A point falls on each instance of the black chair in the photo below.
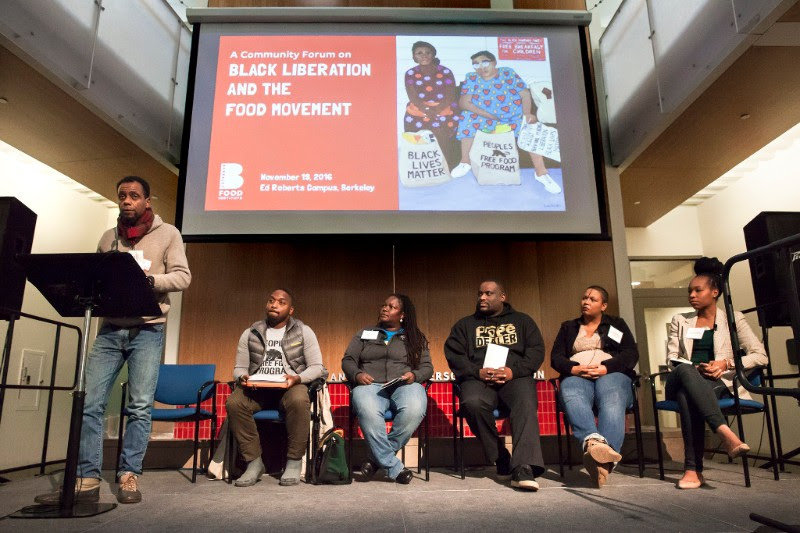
(388, 416)
(729, 408)
(458, 429)
(276, 416)
(637, 423)
(187, 386)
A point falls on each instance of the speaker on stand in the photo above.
(776, 277)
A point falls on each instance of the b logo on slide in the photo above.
(230, 181)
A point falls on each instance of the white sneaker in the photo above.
(549, 184)
(461, 170)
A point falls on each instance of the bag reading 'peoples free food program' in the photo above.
(494, 157)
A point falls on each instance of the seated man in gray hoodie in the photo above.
(279, 350)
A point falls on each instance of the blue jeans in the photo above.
(407, 402)
(610, 394)
(142, 348)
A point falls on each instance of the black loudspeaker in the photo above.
(16, 236)
(771, 279)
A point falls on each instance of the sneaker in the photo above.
(461, 170)
(549, 184)
(128, 489)
(503, 464)
(83, 494)
(522, 478)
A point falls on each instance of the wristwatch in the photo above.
(151, 281)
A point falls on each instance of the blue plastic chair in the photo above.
(728, 407)
(458, 429)
(187, 386)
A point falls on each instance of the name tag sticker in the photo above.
(695, 333)
(369, 334)
(614, 334)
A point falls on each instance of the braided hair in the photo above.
(416, 341)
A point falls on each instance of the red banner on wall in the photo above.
(527, 48)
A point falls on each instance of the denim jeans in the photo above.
(141, 348)
(610, 394)
(408, 403)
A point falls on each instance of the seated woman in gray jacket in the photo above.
(395, 349)
(700, 354)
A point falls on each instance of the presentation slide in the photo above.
(416, 132)
(309, 123)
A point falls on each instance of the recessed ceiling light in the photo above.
(636, 203)
(3, 100)
(744, 116)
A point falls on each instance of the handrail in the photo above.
(726, 294)
(6, 359)
(58, 325)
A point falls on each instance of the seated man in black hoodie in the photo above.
(483, 389)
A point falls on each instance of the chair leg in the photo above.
(745, 464)
(637, 426)
(455, 441)
(349, 439)
(461, 445)
(771, 436)
(229, 456)
(658, 445)
(196, 445)
(427, 454)
(558, 440)
(568, 434)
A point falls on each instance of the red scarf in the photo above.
(134, 232)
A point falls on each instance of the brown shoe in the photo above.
(87, 490)
(81, 496)
(602, 452)
(128, 489)
(598, 472)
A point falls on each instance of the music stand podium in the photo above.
(87, 284)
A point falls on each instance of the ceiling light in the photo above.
(744, 116)
(3, 100)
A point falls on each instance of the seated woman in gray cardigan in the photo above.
(386, 366)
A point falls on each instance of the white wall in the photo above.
(68, 221)
(675, 234)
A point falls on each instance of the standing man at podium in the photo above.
(138, 341)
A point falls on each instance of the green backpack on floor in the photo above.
(330, 463)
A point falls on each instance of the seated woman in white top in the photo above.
(701, 357)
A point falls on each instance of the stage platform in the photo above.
(446, 503)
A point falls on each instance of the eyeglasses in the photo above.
(482, 64)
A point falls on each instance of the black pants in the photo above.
(697, 403)
(479, 399)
